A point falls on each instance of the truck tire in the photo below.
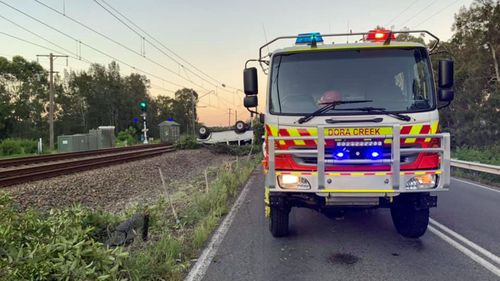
(278, 221)
(240, 127)
(203, 132)
(408, 220)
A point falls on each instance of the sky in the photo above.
(216, 37)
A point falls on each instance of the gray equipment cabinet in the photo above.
(169, 131)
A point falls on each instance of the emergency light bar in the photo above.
(380, 35)
(309, 38)
(373, 35)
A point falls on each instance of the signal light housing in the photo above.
(380, 35)
(143, 105)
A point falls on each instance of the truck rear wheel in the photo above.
(409, 221)
(278, 221)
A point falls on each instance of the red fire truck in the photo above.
(353, 125)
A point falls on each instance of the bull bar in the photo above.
(394, 161)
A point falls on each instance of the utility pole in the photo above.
(51, 57)
(229, 117)
(193, 110)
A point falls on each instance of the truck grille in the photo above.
(354, 153)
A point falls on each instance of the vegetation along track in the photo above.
(59, 164)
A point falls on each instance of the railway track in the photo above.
(15, 171)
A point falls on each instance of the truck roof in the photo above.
(344, 46)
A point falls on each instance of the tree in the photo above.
(473, 116)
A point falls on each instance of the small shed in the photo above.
(169, 131)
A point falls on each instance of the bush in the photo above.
(18, 146)
(486, 155)
(235, 150)
(128, 136)
(53, 246)
(187, 142)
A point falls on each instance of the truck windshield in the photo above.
(395, 79)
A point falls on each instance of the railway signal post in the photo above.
(143, 105)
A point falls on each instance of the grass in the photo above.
(68, 244)
(172, 246)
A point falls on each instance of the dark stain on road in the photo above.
(343, 259)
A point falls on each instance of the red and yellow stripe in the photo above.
(413, 129)
(357, 174)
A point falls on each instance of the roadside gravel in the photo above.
(116, 187)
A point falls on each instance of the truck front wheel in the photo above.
(409, 221)
(278, 221)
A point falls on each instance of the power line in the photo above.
(152, 37)
(29, 42)
(93, 48)
(158, 42)
(436, 13)
(79, 57)
(116, 42)
(420, 11)
(82, 59)
(402, 12)
(75, 55)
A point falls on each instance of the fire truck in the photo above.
(353, 125)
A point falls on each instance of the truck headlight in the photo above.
(423, 181)
(293, 182)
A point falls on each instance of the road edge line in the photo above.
(199, 269)
(466, 241)
(486, 264)
(476, 184)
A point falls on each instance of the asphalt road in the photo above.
(363, 245)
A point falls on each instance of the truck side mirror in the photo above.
(250, 81)
(250, 101)
(445, 74)
(446, 95)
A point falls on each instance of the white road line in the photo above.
(466, 241)
(475, 184)
(486, 264)
(199, 269)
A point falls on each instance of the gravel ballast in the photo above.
(116, 187)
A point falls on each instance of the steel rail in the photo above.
(26, 174)
(10, 162)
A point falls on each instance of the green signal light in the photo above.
(143, 105)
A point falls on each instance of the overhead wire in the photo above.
(93, 48)
(41, 37)
(117, 43)
(402, 12)
(160, 43)
(29, 42)
(79, 57)
(418, 13)
(144, 32)
(437, 12)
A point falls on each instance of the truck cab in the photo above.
(353, 125)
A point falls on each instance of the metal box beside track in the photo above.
(169, 131)
(73, 143)
(103, 137)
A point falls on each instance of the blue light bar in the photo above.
(308, 38)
